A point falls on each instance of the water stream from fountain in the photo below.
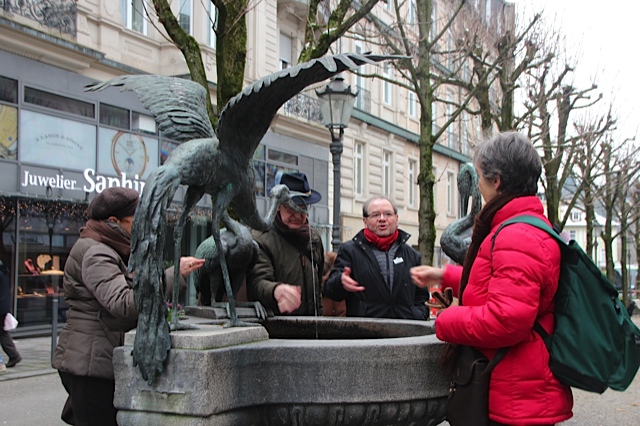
(315, 291)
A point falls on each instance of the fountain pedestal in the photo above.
(357, 372)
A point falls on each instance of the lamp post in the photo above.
(336, 103)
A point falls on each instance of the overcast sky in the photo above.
(606, 39)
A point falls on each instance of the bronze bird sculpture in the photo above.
(456, 238)
(240, 252)
(219, 166)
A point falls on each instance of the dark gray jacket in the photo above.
(379, 300)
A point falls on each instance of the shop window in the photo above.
(57, 102)
(259, 171)
(8, 90)
(114, 117)
(46, 232)
(271, 173)
(8, 132)
(121, 152)
(282, 157)
(143, 123)
(165, 150)
(56, 142)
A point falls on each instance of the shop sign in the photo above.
(93, 182)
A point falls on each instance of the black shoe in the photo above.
(13, 361)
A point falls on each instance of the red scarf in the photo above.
(383, 243)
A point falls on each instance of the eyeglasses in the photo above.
(376, 215)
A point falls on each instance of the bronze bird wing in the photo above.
(247, 116)
(178, 105)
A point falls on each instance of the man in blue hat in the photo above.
(287, 276)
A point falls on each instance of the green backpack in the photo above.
(595, 344)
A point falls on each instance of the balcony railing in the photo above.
(363, 100)
(54, 14)
(303, 106)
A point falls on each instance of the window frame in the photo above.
(412, 181)
(412, 101)
(190, 14)
(358, 168)
(211, 16)
(387, 172)
(387, 89)
(450, 192)
(127, 14)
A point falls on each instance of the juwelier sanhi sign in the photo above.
(93, 182)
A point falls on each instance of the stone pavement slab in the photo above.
(36, 359)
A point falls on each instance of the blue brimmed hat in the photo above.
(297, 181)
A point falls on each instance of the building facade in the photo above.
(61, 145)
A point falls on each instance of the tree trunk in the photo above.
(188, 46)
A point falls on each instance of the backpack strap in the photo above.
(533, 221)
(540, 224)
(496, 359)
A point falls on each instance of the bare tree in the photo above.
(620, 168)
(327, 24)
(634, 229)
(418, 40)
(552, 101)
(231, 47)
(623, 209)
(504, 58)
(584, 189)
(460, 54)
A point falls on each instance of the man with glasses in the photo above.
(371, 271)
(288, 274)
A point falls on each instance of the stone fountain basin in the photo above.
(356, 371)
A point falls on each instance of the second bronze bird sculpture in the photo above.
(456, 238)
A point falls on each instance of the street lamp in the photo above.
(336, 103)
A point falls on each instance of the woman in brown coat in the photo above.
(99, 291)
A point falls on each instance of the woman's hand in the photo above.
(188, 264)
(426, 276)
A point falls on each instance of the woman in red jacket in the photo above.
(505, 290)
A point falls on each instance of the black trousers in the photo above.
(7, 344)
(90, 401)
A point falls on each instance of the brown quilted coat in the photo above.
(99, 291)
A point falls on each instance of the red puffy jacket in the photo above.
(509, 289)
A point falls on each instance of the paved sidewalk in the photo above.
(36, 358)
